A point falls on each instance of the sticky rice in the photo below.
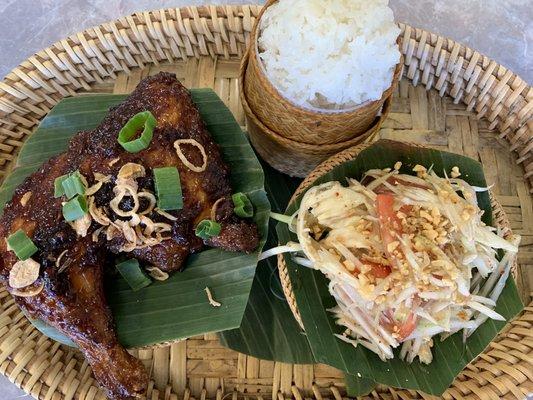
(329, 54)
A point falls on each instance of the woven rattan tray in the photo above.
(472, 105)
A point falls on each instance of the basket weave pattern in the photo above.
(203, 47)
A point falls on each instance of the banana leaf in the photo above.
(178, 307)
(268, 329)
(313, 298)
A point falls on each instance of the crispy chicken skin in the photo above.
(73, 299)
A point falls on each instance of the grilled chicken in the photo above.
(73, 257)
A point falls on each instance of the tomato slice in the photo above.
(389, 223)
(379, 270)
(406, 208)
(402, 329)
(376, 269)
(407, 327)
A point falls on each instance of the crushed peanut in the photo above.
(392, 246)
(349, 265)
(420, 170)
(426, 215)
(455, 172)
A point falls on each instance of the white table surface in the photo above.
(501, 29)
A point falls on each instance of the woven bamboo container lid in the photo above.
(450, 97)
(300, 124)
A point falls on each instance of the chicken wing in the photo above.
(122, 218)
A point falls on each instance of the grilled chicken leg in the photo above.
(72, 257)
(74, 302)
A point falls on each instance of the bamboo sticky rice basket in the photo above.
(451, 97)
(290, 156)
(299, 124)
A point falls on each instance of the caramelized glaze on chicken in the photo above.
(72, 297)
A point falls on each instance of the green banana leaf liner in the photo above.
(178, 307)
(313, 298)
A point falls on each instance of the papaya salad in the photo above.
(407, 257)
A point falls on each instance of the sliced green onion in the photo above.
(207, 229)
(22, 245)
(143, 120)
(75, 208)
(133, 274)
(73, 185)
(58, 186)
(243, 206)
(168, 188)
